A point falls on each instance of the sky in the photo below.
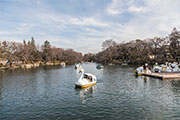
(84, 24)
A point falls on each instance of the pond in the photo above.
(48, 93)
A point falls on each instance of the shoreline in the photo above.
(30, 65)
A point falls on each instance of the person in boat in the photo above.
(89, 78)
(156, 64)
(146, 68)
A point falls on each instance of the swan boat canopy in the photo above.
(86, 80)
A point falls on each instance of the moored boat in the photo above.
(168, 68)
(139, 71)
(157, 68)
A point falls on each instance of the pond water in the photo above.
(48, 93)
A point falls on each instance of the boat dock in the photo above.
(164, 76)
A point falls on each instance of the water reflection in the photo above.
(143, 80)
(85, 93)
(0, 89)
(1, 83)
(176, 87)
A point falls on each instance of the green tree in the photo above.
(46, 48)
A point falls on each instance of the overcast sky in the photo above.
(84, 24)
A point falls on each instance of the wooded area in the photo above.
(29, 52)
(138, 51)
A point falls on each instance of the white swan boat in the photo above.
(140, 71)
(78, 66)
(86, 80)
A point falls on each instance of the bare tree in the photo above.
(108, 43)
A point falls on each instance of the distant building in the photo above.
(3, 61)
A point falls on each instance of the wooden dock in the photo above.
(164, 76)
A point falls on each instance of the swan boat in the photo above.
(78, 66)
(86, 80)
(139, 71)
